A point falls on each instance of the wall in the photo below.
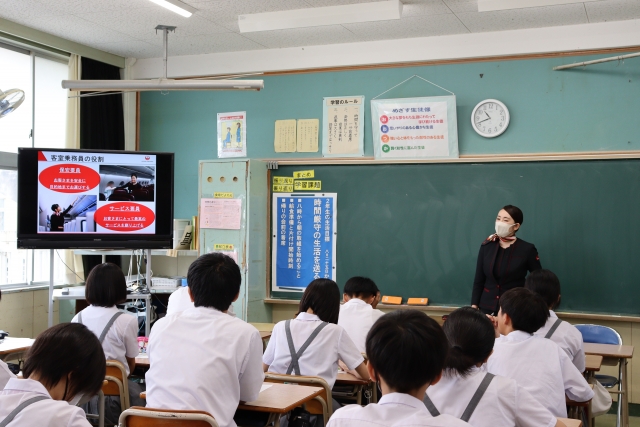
(592, 109)
(24, 314)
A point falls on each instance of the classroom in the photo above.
(279, 212)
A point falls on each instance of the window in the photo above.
(44, 111)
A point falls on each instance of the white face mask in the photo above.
(503, 229)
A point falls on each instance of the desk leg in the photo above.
(625, 400)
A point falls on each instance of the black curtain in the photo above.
(101, 128)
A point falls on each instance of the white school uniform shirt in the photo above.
(357, 317)
(203, 359)
(568, 337)
(320, 358)
(180, 301)
(542, 368)
(122, 338)
(44, 413)
(504, 404)
(5, 374)
(393, 409)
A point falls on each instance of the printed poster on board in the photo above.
(415, 128)
(343, 126)
(232, 134)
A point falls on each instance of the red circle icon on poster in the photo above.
(124, 216)
(384, 119)
(69, 178)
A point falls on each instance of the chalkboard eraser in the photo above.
(391, 300)
(418, 301)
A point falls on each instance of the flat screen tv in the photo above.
(94, 199)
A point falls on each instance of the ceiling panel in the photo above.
(420, 26)
(88, 6)
(613, 10)
(534, 17)
(211, 43)
(424, 7)
(75, 29)
(329, 34)
(462, 5)
(132, 49)
(22, 10)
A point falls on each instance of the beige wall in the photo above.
(629, 331)
(24, 314)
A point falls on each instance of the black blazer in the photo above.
(57, 221)
(523, 257)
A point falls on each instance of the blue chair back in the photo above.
(598, 334)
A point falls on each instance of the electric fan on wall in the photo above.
(10, 100)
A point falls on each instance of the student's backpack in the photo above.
(301, 418)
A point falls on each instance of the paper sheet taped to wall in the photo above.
(224, 214)
(285, 136)
(308, 135)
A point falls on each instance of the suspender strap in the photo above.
(295, 356)
(430, 406)
(80, 318)
(108, 326)
(553, 328)
(19, 409)
(484, 385)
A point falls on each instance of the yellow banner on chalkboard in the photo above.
(223, 195)
(304, 174)
(283, 180)
(307, 185)
(277, 188)
(222, 247)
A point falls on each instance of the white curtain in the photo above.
(73, 141)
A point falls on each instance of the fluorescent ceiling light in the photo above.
(490, 5)
(177, 6)
(317, 16)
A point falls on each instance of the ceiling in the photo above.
(126, 27)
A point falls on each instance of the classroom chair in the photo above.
(320, 405)
(116, 384)
(598, 334)
(137, 416)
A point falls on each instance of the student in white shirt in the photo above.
(502, 403)
(65, 362)
(546, 284)
(180, 300)
(316, 320)
(357, 315)
(407, 351)
(5, 373)
(537, 364)
(201, 358)
(117, 330)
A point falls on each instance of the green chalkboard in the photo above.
(416, 228)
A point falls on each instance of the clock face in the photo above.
(490, 118)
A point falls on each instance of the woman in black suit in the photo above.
(503, 261)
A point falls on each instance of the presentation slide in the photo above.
(101, 193)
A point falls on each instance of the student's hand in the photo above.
(494, 322)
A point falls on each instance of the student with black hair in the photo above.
(357, 314)
(117, 330)
(5, 373)
(500, 401)
(546, 284)
(407, 351)
(316, 324)
(65, 363)
(202, 358)
(539, 365)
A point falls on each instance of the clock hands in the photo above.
(485, 120)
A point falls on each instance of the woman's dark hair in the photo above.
(360, 287)
(54, 206)
(67, 350)
(515, 213)
(546, 284)
(323, 297)
(134, 174)
(528, 311)
(407, 349)
(471, 337)
(214, 280)
(106, 285)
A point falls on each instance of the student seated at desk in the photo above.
(567, 336)
(537, 364)
(357, 315)
(407, 351)
(5, 373)
(202, 358)
(180, 300)
(117, 330)
(65, 362)
(502, 402)
(314, 331)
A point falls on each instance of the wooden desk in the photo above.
(570, 423)
(354, 389)
(14, 348)
(265, 335)
(345, 378)
(622, 354)
(142, 361)
(593, 363)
